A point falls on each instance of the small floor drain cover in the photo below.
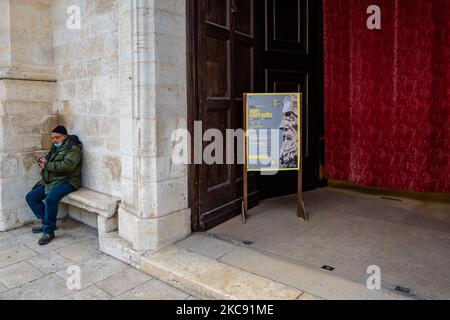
(403, 289)
(392, 199)
(328, 268)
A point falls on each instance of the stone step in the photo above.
(318, 283)
(198, 275)
(241, 274)
(207, 277)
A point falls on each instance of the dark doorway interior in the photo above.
(238, 46)
(290, 59)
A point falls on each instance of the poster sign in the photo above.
(273, 127)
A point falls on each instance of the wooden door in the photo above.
(224, 60)
(290, 59)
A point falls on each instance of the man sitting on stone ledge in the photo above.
(61, 175)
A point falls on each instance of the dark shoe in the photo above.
(37, 229)
(46, 238)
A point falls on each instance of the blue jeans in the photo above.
(45, 206)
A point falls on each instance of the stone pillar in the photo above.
(154, 209)
(27, 92)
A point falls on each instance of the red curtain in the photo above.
(387, 113)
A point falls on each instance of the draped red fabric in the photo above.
(387, 113)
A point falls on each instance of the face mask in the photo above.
(58, 144)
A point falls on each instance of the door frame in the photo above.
(192, 27)
(192, 109)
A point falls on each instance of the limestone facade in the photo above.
(119, 83)
(27, 93)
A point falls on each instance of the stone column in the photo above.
(27, 92)
(154, 210)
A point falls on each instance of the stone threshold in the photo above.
(244, 274)
(198, 275)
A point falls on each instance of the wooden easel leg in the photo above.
(301, 212)
(245, 202)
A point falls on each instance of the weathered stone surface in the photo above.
(15, 254)
(2, 288)
(50, 287)
(123, 281)
(80, 251)
(87, 64)
(306, 296)
(83, 216)
(50, 262)
(26, 116)
(154, 233)
(97, 269)
(91, 293)
(82, 231)
(106, 225)
(212, 278)
(19, 274)
(152, 104)
(206, 245)
(154, 290)
(28, 56)
(312, 281)
(60, 240)
(92, 201)
(121, 88)
(115, 246)
(100, 272)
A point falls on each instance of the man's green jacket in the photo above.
(63, 165)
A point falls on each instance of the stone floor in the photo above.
(409, 240)
(29, 271)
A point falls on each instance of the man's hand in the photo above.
(42, 162)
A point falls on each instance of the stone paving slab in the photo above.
(210, 278)
(123, 281)
(15, 254)
(308, 297)
(19, 274)
(9, 242)
(3, 288)
(90, 293)
(51, 287)
(4, 235)
(154, 290)
(33, 272)
(80, 251)
(19, 231)
(60, 240)
(206, 245)
(50, 262)
(317, 283)
(82, 232)
(96, 269)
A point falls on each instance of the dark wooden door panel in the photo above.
(286, 25)
(290, 60)
(242, 11)
(226, 63)
(218, 12)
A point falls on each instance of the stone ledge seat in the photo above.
(103, 205)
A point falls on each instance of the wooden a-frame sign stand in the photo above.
(301, 212)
